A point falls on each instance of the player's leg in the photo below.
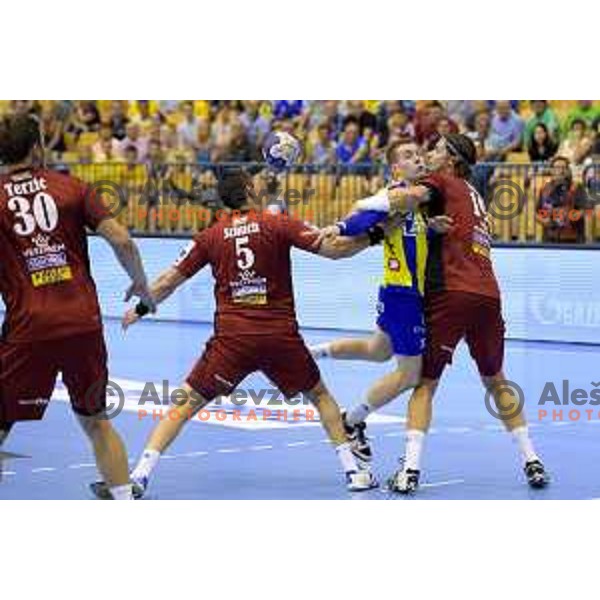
(110, 454)
(5, 428)
(485, 339)
(445, 326)
(165, 433)
(376, 348)
(223, 365)
(83, 361)
(401, 322)
(358, 477)
(291, 367)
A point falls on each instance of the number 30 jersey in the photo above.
(250, 259)
(45, 278)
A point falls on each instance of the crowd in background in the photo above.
(353, 132)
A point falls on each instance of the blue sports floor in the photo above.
(467, 455)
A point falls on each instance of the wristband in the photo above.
(141, 309)
(376, 235)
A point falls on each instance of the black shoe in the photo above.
(404, 481)
(357, 434)
(536, 474)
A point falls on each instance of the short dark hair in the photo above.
(389, 153)
(18, 136)
(232, 187)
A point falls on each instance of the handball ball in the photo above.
(281, 150)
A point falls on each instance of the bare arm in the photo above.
(128, 255)
(343, 247)
(162, 287)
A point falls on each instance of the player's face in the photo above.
(408, 163)
(438, 157)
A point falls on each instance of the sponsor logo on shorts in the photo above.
(34, 402)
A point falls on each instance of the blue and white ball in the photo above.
(281, 150)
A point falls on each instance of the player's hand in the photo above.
(441, 223)
(129, 318)
(140, 290)
(331, 232)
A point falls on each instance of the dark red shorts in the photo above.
(452, 316)
(227, 360)
(28, 375)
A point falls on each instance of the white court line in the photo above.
(229, 450)
(295, 444)
(458, 429)
(562, 423)
(82, 466)
(8, 473)
(442, 483)
(394, 434)
(43, 469)
(199, 453)
(264, 447)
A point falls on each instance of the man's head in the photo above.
(503, 109)
(351, 132)
(405, 161)
(455, 152)
(561, 168)
(235, 188)
(19, 139)
(538, 107)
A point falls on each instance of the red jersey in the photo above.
(460, 260)
(251, 264)
(45, 278)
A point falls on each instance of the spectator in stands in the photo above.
(203, 145)
(238, 149)
(107, 148)
(541, 147)
(558, 202)
(398, 128)
(135, 138)
(426, 123)
(143, 117)
(481, 135)
(332, 117)
(506, 131)
(287, 109)
(585, 111)
(118, 120)
(596, 146)
(320, 147)
(85, 117)
(352, 148)
(187, 130)
(257, 125)
(578, 143)
(355, 110)
(53, 132)
(542, 113)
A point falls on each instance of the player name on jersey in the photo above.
(240, 230)
(31, 186)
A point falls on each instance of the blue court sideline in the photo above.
(467, 455)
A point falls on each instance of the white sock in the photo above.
(414, 446)
(379, 202)
(320, 350)
(122, 492)
(521, 435)
(346, 457)
(146, 464)
(358, 414)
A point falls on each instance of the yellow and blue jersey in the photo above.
(405, 255)
(400, 306)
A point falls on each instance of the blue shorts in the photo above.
(401, 318)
